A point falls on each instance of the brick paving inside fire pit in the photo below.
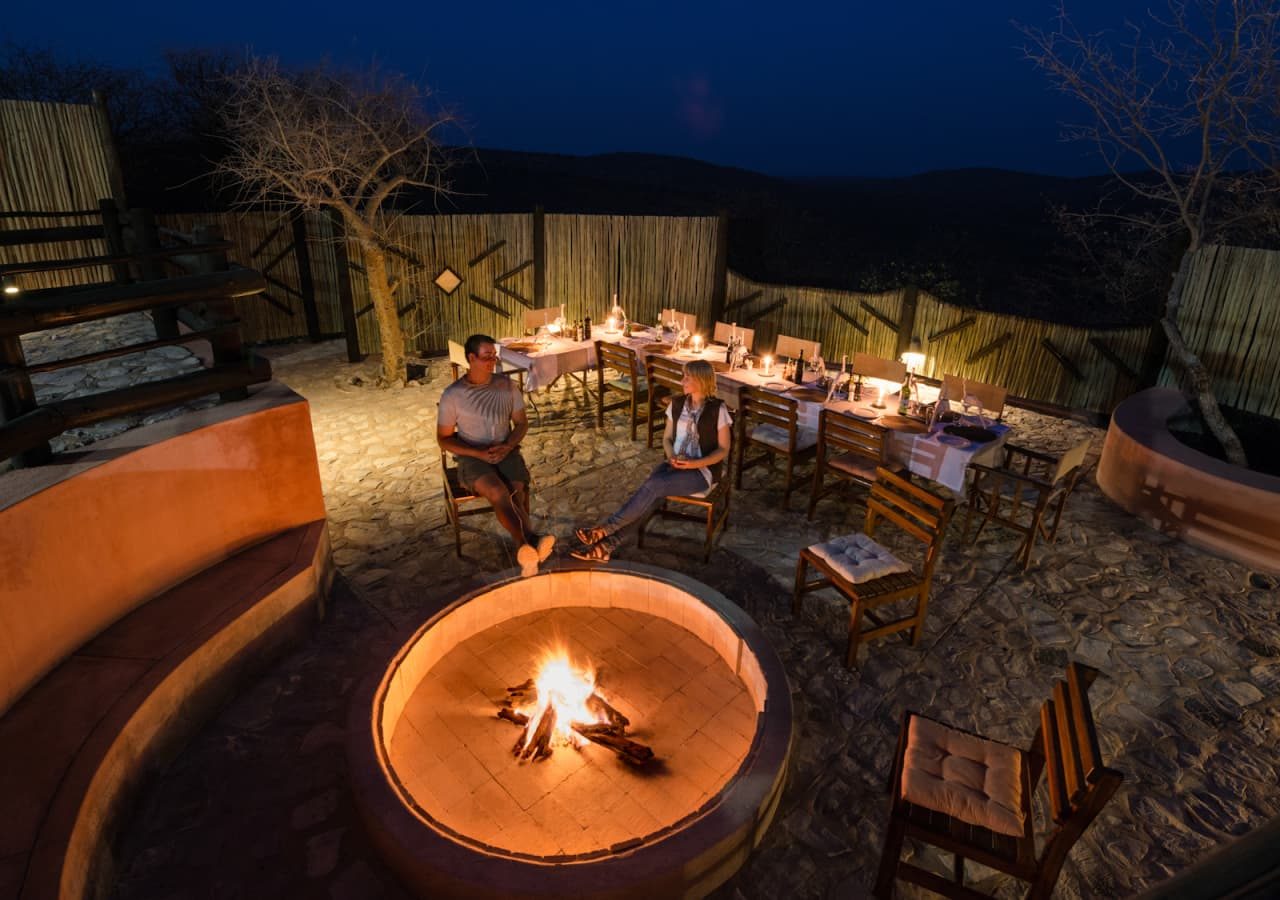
(454, 756)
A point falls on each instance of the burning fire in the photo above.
(563, 690)
(562, 706)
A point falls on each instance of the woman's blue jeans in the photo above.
(662, 482)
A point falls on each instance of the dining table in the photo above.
(928, 451)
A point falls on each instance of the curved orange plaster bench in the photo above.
(139, 583)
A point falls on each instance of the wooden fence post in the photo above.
(539, 257)
(113, 235)
(306, 284)
(228, 347)
(720, 282)
(18, 397)
(907, 319)
(144, 238)
(115, 172)
(346, 301)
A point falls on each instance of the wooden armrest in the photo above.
(996, 472)
(1011, 449)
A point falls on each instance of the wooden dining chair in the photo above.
(628, 380)
(459, 502)
(666, 379)
(709, 508)
(990, 397)
(536, 318)
(458, 363)
(972, 797)
(870, 366)
(852, 564)
(687, 321)
(848, 448)
(1026, 493)
(795, 348)
(771, 423)
(724, 330)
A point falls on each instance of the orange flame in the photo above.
(566, 688)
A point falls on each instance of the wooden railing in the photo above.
(201, 298)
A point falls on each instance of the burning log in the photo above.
(539, 744)
(632, 752)
(609, 734)
(600, 707)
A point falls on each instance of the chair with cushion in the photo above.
(848, 448)
(724, 330)
(990, 397)
(666, 378)
(459, 364)
(770, 423)
(627, 380)
(1023, 492)
(795, 348)
(867, 574)
(460, 502)
(972, 797)
(709, 507)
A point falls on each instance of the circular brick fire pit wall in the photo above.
(455, 813)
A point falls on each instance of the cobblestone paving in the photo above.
(1188, 647)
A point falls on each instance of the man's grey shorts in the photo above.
(511, 470)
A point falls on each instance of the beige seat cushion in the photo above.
(858, 558)
(778, 437)
(964, 776)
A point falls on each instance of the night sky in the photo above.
(782, 88)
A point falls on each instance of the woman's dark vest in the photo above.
(708, 433)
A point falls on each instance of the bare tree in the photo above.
(1182, 112)
(320, 139)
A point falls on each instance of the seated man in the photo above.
(481, 421)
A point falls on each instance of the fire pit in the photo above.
(674, 728)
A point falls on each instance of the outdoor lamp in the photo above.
(914, 357)
(11, 286)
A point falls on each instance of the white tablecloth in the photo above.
(544, 366)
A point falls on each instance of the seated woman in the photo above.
(696, 442)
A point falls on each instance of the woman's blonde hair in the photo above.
(704, 375)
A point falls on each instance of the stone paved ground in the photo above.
(1188, 645)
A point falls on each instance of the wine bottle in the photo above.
(586, 328)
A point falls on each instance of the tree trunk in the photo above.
(384, 310)
(1199, 381)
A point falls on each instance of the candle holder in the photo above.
(767, 369)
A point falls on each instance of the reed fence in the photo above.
(54, 159)
(297, 263)
(1231, 318)
(650, 262)
(843, 321)
(1231, 315)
